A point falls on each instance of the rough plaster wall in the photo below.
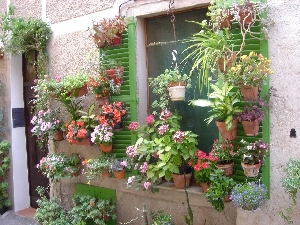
(58, 10)
(26, 9)
(284, 48)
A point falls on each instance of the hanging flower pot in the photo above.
(226, 168)
(226, 19)
(58, 135)
(106, 148)
(116, 75)
(177, 91)
(227, 134)
(119, 126)
(251, 170)
(251, 128)
(117, 40)
(245, 18)
(179, 180)
(249, 93)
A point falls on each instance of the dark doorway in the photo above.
(34, 152)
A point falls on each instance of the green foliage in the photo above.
(22, 36)
(49, 212)
(72, 105)
(4, 169)
(74, 81)
(161, 218)
(223, 105)
(89, 118)
(95, 167)
(4, 201)
(291, 183)
(220, 187)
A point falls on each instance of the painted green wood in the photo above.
(97, 192)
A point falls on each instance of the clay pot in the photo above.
(204, 186)
(116, 75)
(251, 128)
(226, 62)
(106, 174)
(120, 175)
(249, 93)
(245, 18)
(179, 180)
(58, 135)
(117, 40)
(227, 20)
(227, 134)
(226, 168)
(251, 170)
(78, 92)
(83, 141)
(106, 148)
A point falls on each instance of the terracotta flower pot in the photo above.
(204, 186)
(106, 174)
(120, 175)
(179, 180)
(251, 170)
(227, 198)
(58, 135)
(83, 141)
(116, 75)
(245, 18)
(117, 40)
(251, 128)
(78, 92)
(227, 168)
(227, 134)
(106, 148)
(227, 19)
(249, 93)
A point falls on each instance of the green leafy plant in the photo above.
(219, 14)
(4, 201)
(94, 167)
(160, 85)
(291, 183)
(22, 36)
(72, 105)
(253, 153)
(249, 195)
(74, 81)
(49, 211)
(56, 166)
(224, 150)
(220, 186)
(161, 218)
(89, 210)
(224, 107)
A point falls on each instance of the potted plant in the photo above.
(49, 211)
(161, 218)
(219, 189)
(56, 166)
(112, 68)
(46, 123)
(207, 47)
(92, 210)
(108, 31)
(169, 85)
(97, 167)
(249, 73)
(203, 166)
(253, 155)
(249, 195)
(223, 150)
(118, 166)
(102, 136)
(113, 114)
(79, 131)
(161, 147)
(224, 110)
(220, 15)
(75, 85)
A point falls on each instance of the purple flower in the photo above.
(147, 185)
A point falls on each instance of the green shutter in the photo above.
(126, 54)
(259, 46)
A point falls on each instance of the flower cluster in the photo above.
(44, 124)
(119, 164)
(112, 113)
(76, 130)
(249, 195)
(253, 153)
(99, 86)
(56, 166)
(94, 167)
(251, 70)
(223, 150)
(102, 134)
(204, 166)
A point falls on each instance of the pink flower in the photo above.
(123, 163)
(163, 129)
(197, 167)
(201, 155)
(147, 185)
(131, 151)
(165, 114)
(144, 168)
(150, 119)
(133, 126)
(130, 179)
(205, 165)
(179, 136)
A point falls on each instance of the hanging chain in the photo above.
(171, 13)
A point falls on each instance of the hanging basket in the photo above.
(251, 128)
(78, 92)
(117, 40)
(251, 170)
(177, 93)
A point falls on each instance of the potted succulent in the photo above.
(118, 166)
(108, 31)
(113, 114)
(102, 136)
(56, 166)
(161, 147)
(91, 210)
(46, 123)
(224, 110)
(219, 189)
(253, 155)
(97, 167)
(249, 195)
(249, 73)
(203, 166)
(291, 183)
(169, 85)
(223, 150)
